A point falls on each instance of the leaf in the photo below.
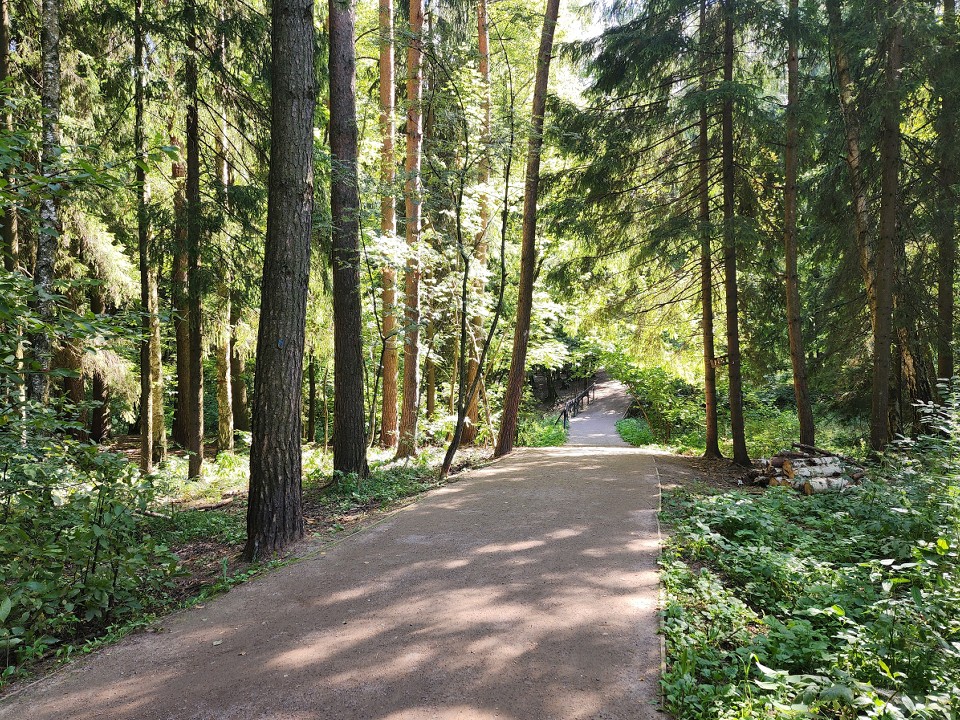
(5, 608)
(837, 692)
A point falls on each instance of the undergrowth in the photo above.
(835, 606)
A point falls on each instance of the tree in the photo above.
(946, 232)
(275, 513)
(349, 440)
(734, 369)
(518, 358)
(407, 441)
(797, 357)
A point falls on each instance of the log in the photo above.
(821, 451)
(811, 466)
(816, 485)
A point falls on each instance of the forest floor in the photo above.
(526, 589)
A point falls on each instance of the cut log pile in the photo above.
(808, 469)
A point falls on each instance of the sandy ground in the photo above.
(526, 591)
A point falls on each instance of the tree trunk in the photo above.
(274, 513)
(946, 232)
(194, 288)
(49, 230)
(143, 245)
(11, 238)
(712, 449)
(407, 441)
(156, 372)
(880, 431)
(179, 291)
(737, 430)
(99, 395)
(312, 398)
(528, 248)
(480, 253)
(388, 227)
(349, 438)
(223, 350)
(794, 331)
(238, 366)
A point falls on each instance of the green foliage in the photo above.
(384, 485)
(535, 430)
(635, 432)
(836, 605)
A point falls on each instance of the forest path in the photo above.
(527, 590)
(596, 425)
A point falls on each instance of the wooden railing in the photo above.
(575, 405)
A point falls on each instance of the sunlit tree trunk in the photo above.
(887, 235)
(11, 237)
(156, 372)
(480, 252)
(712, 449)
(223, 345)
(407, 441)
(143, 245)
(99, 395)
(238, 362)
(311, 397)
(528, 248)
(349, 434)
(275, 510)
(946, 232)
(734, 370)
(194, 287)
(388, 227)
(179, 292)
(49, 230)
(798, 360)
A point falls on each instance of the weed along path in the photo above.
(525, 591)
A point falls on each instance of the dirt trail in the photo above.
(525, 591)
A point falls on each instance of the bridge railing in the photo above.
(575, 405)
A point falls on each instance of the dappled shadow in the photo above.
(527, 590)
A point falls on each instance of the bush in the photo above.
(635, 431)
(540, 431)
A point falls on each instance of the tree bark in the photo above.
(792, 284)
(349, 434)
(946, 232)
(880, 431)
(312, 398)
(49, 231)
(143, 245)
(238, 366)
(528, 247)
(11, 237)
(737, 430)
(712, 449)
(480, 253)
(407, 441)
(388, 227)
(223, 346)
(194, 287)
(156, 372)
(274, 513)
(179, 291)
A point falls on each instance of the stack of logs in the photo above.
(808, 469)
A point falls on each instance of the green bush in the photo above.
(635, 432)
(836, 606)
(540, 431)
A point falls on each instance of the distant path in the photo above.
(525, 591)
(596, 425)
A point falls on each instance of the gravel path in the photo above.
(525, 591)
(596, 425)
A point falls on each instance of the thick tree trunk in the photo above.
(798, 360)
(195, 431)
(349, 440)
(737, 430)
(49, 231)
(11, 237)
(275, 513)
(388, 227)
(143, 245)
(528, 249)
(880, 430)
(946, 232)
(712, 449)
(238, 366)
(407, 441)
